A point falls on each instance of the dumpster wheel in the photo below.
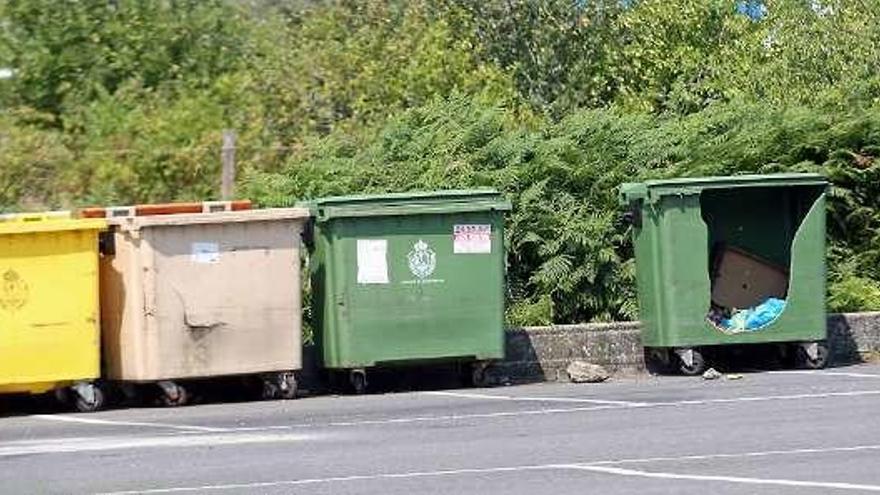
(173, 394)
(358, 381)
(659, 361)
(281, 385)
(813, 355)
(88, 397)
(480, 376)
(691, 361)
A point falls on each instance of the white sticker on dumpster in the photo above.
(205, 252)
(472, 239)
(372, 265)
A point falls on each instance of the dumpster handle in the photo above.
(633, 216)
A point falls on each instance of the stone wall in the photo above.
(543, 353)
(853, 336)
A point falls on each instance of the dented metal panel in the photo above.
(202, 295)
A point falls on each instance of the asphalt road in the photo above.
(767, 433)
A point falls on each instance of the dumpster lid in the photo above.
(266, 215)
(652, 190)
(410, 203)
(51, 221)
(165, 209)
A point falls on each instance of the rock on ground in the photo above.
(711, 374)
(584, 372)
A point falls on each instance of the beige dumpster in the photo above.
(203, 295)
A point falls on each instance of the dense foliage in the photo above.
(553, 102)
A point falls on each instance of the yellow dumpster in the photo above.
(49, 330)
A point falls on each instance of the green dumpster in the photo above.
(729, 260)
(408, 278)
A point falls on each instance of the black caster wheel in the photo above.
(660, 361)
(173, 394)
(813, 356)
(694, 366)
(280, 386)
(480, 375)
(88, 397)
(357, 379)
(288, 387)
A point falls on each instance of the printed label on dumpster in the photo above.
(472, 239)
(205, 252)
(372, 264)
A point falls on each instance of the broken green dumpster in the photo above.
(408, 278)
(730, 260)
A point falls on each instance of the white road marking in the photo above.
(549, 411)
(766, 453)
(596, 466)
(105, 422)
(849, 374)
(729, 479)
(468, 395)
(427, 419)
(338, 479)
(91, 444)
(765, 398)
(613, 405)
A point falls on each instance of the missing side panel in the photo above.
(751, 238)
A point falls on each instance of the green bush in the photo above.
(848, 292)
(569, 258)
(33, 163)
(552, 102)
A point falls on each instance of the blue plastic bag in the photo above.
(756, 318)
(765, 313)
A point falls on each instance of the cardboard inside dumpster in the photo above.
(748, 292)
(743, 280)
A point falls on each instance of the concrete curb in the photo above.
(542, 353)
(536, 354)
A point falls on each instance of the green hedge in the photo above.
(570, 259)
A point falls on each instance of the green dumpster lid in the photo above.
(652, 190)
(411, 203)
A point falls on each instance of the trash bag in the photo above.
(765, 314)
(755, 318)
(737, 322)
